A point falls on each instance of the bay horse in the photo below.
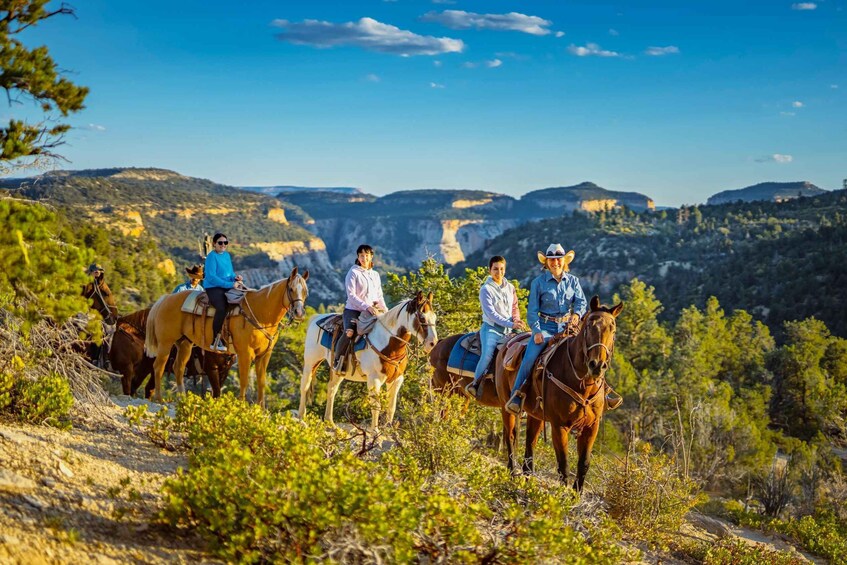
(167, 325)
(382, 362)
(446, 382)
(128, 358)
(102, 300)
(570, 393)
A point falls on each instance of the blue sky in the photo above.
(677, 100)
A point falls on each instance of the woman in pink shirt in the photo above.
(364, 294)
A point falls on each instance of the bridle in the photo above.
(586, 348)
(104, 309)
(293, 301)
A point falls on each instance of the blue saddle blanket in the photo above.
(461, 361)
(326, 341)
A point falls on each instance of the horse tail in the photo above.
(151, 343)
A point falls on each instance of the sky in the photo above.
(676, 100)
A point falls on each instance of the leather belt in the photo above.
(556, 319)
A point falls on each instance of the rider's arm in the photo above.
(354, 288)
(532, 319)
(580, 305)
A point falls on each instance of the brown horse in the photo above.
(167, 325)
(569, 393)
(445, 381)
(127, 358)
(102, 300)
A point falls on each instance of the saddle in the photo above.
(516, 346)
(332, 327)
(197, 302)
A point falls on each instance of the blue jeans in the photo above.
(489, 337)
(533, 350)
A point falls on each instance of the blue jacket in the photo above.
(553, 298)
(187, 286)
(218, 271)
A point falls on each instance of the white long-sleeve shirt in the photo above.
(364, 289)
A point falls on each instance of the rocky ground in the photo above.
(90, 495)
(86, 496)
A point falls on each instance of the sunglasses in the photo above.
(223, 243)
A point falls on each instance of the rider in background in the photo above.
(364, 294)
(98, 276)
(500, 316)
(218, 278)
(195, 277)
(552, 296)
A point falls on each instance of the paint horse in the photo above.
(252, 340)
(381, 362)
(568, 392)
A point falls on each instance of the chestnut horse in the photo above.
(167, 325)
(446, 382)
(128, 358)
(570, 393)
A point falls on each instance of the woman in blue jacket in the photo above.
(219, 278)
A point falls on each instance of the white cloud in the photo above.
(95, 127)
(804, 6)
(435, 85)
(494, 63)
(775, 158)
(833, 86)
(560, 34)
(788, 113)
(513, 21)
(371, 77)
(437, 63)
(613, 32)
(797, 104)
(368, 34)
(659, 51)
(591, 49)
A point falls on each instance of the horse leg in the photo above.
(584, 445)
(331, 390)
(374, 388)
(393, 393)
(510, 438)
(245, 359)
(261, 372)
(159, 369)
(307, 384)
(183, 352)
(560, 446)
(533, 429)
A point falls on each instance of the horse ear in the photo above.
(617, 309)
(419, 296)
(293, 274)
(429, 298)
(595, 303)
(306, 275)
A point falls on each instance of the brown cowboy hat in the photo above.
(195, 271)
(556, 250)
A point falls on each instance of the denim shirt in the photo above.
(553, 298)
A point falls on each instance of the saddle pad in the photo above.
(472, 343)
(514, 351)
(193, 305)
(326, 339)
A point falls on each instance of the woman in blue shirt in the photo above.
(552, 296)
(219, 277)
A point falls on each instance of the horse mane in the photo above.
(137, 319)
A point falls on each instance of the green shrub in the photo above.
(739, 552)
(46, 400)
(7, 385)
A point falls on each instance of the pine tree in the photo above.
(31, 74)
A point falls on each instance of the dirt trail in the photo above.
(86, 496)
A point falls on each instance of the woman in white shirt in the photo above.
(364, 294)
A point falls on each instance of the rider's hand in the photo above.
(372, 310)
(537, 338)
(238, 278)
(519, 325)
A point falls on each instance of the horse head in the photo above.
(422, 314)
(90, 290)
(597, 333)
(296, 293)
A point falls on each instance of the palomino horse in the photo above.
(445, 381)
(570, 393)
(382, 362)
(128, 358)
(167, 325)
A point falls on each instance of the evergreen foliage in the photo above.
(31, 74)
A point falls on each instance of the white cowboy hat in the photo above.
(556, 250)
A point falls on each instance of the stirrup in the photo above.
(613, 399)
(219, 345)
(471, 390)
(515, 403)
